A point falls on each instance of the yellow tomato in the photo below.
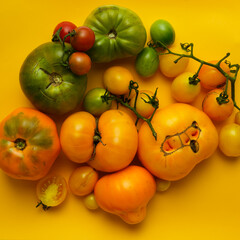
(167, 65)
(116, 80)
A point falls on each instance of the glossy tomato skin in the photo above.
(80, 63)
(216, 111)
(147, 62)
(76, 136)
(211, 78)
(67, 27)
(126, 193)
(119, 33)
(119, 141)
(93, 102)
(29, 144)
(161, 30)
(49, 86)
(185, 137)
(83, 39)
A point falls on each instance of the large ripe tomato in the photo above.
(185, 137)
(215, 110)
(211, 78)
(119, 141)
(49, 86)
(119, 33)
(29, 144)
(108, 145)
(126, 193)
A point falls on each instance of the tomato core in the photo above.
(112, 34)
(20, 144)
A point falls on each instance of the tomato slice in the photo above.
(51, 191)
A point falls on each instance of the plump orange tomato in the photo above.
(216, 111)
(29, 144)
(51, 191)
(119, 141)
(126, 193)
(82, 180)
(185, 137)
(210, 77)
(76, 136)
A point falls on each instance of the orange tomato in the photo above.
(119, 141)
(210, 77)
(216, 111)
(76, 136)
(82, 180)
(29, 144)
(185, 137)
(126, 193)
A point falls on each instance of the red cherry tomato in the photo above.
(67, 27)
(80, 63)
(83, 40)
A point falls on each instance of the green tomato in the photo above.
(147, 62)
(162, 185)
(93, 102)
(90, 202)
(50, 86)
(161, 30)
(119, 33)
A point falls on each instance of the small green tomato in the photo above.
(162, 185)
(90, 202)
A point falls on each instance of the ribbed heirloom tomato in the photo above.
(126, 193)
(107, 145)
(185, 137)
(29, 144)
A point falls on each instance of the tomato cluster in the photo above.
(81, 39)
(125, 148)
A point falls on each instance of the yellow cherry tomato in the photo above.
(116, 80)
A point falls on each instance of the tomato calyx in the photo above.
(45, 207)
(222, 98)
(54, 78)
(194, 80)
(112, 34)
(20, 144)
(186, 138)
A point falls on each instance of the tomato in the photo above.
(80, 63)
(144, 108)
(185, 137)
(162, 185)
(67, 27)
(93, 102)
(162, 31)
(83, 39)
(229, 140)
(216, 111)
(147, 62)
(119, 33)
(27, 136)
(107, 146)
(47, 84)
(237, 118)
(210, 77)
(167, 65)
(51, 191)
(126, 193)
(90, 202)
(183, 90)
(76, 136)
(116, 80)
(119, 141)
(82, 180)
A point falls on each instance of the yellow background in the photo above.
(204, 205)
